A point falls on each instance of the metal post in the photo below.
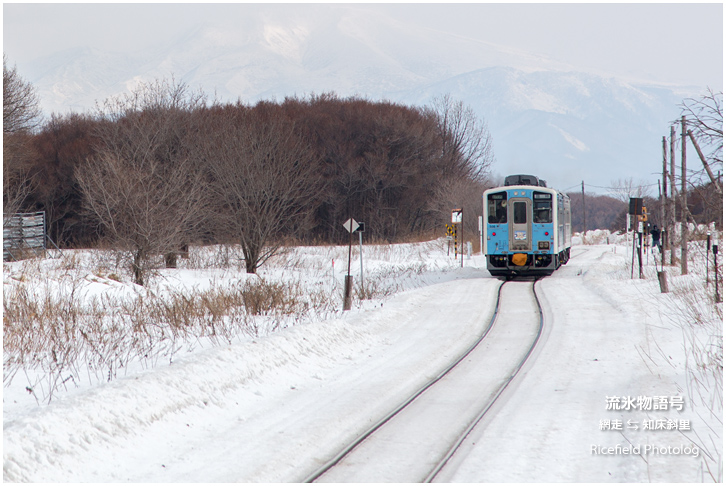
(684, 202)
(360, 241)
(350, 248)
(348, 279)
(632, 259)
(715, 268)
(481, 235)
(708, 249)
(584, 214)
(640, 253)
(462, 237)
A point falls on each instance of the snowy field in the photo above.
(179, 382)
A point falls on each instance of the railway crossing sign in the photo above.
(449, 230)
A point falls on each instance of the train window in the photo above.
(542, 208)
(520, 212)
(497, 207)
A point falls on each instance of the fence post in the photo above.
(663, 281)
(715, 269)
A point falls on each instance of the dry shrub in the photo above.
(691, 307)
(58, 336)
(63, 336)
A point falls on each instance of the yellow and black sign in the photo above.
(451, 232)
(644, 216)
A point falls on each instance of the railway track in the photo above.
(416, 440)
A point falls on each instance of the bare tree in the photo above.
(704, 119)
(21, 114)
(466, 159)
(266, 176)
(18, 180)
(624, 189)
(145, 188)
(142, 207)
(21, 109)
(466, 144)
(704, 116)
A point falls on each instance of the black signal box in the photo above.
(636, 206)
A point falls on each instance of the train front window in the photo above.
(497, 208)
(520, 212)
(542, 208)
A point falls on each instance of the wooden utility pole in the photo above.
(684, 202)
(584, 214)
(665, 237)
(716, 183)
(663, 233)
(672, 215)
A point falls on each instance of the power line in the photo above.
(614, 188)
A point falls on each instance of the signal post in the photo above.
(457, 217)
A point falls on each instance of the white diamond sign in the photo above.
(456, 215)
(351, 225)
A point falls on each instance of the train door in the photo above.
(560, 222)
(520, 228)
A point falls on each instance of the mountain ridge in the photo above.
(540, 112)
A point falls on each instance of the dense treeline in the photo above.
(601, 212)
(705, 206)
(160, 168)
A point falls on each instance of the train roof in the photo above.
(524, 180)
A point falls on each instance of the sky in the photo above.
(615, 38)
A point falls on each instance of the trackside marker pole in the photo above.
(360, 242)
(481, 235)
(351, 225)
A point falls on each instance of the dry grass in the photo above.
(692, 308)
(68, 337)
(59, 335)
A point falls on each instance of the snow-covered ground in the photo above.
(272, 401)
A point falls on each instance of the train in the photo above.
(528, 228)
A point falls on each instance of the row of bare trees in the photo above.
(154, 170)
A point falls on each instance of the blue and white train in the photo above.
(528, 228)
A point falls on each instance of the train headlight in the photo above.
(543, 245)
(519, 259)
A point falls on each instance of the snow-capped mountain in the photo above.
(545, 117)
(567, 126)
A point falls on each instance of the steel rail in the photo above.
(348, 449)
(432, 475)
